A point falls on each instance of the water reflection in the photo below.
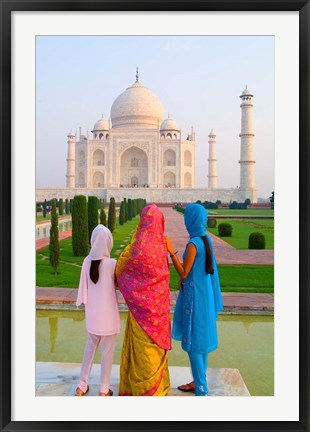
(43, 230)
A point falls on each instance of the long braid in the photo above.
(94, 270)
(209, 267)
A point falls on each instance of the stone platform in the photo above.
(61, 379)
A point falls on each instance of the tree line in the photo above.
(85, 216)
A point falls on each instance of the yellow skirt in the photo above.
(144, 366)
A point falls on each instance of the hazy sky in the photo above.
(197, 78)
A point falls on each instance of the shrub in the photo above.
(210, 205)
(129, 210)
(103, 216)
(135, 207)
(54, 239)
(225, 229)
(70, 205)
(61, 207)
(121, 217)
(79, 226)
(257, 241)
(211, 223)
(67, 209)
(92, 208)
(111, 215)
(125, 209)
(179, 208)
(237, 206)
(44, 209)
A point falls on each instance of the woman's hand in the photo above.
(180, 284)
(169, 245)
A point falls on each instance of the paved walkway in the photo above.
(175, 229)
(66, 298)
(225, 253)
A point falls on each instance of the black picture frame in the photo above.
(7, 7)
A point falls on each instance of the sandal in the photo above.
(189, 387)
(79, 392)
(110, 393)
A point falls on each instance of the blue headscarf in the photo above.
(195, 218)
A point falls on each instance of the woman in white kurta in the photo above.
(97, 292)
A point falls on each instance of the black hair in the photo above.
(209, 268)
(94, 270)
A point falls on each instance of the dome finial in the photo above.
(137, 74)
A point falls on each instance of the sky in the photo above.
(198, 79)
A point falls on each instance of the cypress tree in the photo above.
(92, 214)
(67, 206)
(132, 208)
(103, 216)
(61, 207)
(79, 226)
(70, 205)
(111, 215)
(122, 214)
(54, 239)
(44, 209)
(125, 210)
(129, 209)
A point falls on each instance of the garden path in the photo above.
(224, 252)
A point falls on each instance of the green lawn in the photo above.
(70, 266)
(247, 212)
(242, 228)
(232, 278)
(239, 278)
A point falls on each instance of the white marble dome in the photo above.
(169, 124)
(247, 92)
(101, 125)
(137, 106)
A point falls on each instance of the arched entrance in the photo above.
(98, 179)
(134, 168)
(169, 179)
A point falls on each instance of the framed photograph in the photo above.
(29, 52)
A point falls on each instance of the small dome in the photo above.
(101, 125)
(246, 92)
(169, 124)
(137, 106)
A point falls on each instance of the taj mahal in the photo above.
(138, 153)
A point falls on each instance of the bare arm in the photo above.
(182, 269)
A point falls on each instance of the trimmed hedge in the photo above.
(112, 215)
(67, 210)
(54, 248)
(79, 226)
(92, 208)
(103, 216)
(211, 223)
(61, 207)
(225, 230)
(121, 217)
(257, 241)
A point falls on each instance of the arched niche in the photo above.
(169, 158)
(98, 157)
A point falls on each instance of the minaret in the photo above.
(247, 162)
(212, 177)
(71, 160)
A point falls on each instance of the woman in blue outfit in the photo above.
(200, 297)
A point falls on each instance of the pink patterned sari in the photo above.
(143, 278)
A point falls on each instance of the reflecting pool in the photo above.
(43, 230)
(246, 342)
